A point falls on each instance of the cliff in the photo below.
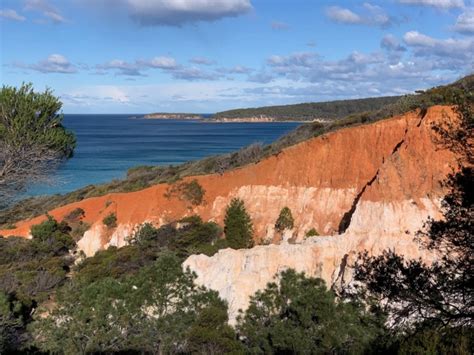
(384, 177)
(365, 188)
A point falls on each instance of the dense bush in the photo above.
(238, 227)
(30, 273)
(159, 310)
(51, 237)
(300, 316)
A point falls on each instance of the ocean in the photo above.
(108, 145)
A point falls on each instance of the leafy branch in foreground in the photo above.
(32, 139)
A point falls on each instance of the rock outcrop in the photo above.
(238, 274)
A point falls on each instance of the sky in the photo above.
(138, 56)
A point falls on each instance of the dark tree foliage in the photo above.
(238, 226)
(301, 316)
(157, 311)
(30, 272)
(437, 295)
(13, 318)
(440, 293)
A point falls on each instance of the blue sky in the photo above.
(134, 56)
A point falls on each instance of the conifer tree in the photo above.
(238, 226)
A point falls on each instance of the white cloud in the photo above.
(426, 46)
(55, 63)
(179, 12)
(193, 74)
(11, 15)
(166, 64)
(162, 63)
(122, 67)
(391, 43)
(444, 4)
(342, 15)
(371, 15)
(48, 11)
(465, 22)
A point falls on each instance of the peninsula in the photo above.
(172, 116)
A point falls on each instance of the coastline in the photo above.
(260, 120)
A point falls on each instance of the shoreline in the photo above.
(250, 120)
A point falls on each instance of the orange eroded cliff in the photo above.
(384, 177)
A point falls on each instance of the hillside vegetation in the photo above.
(330, 110)
(144, 176)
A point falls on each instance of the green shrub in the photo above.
(191, 191)
(110, 220)
(75, 215)
(51, 237)
(312, 233)
(285, 220)
(195, 237)
(146, 232)
(238, 227)
(299, 315)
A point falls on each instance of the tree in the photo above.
(300, 316)
(285, 220)
(32, 139)
(238, 226)
(211, 333)
(159, 310)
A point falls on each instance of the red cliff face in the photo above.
(382, 178)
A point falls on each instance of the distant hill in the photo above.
(330, 110)
(335, 110)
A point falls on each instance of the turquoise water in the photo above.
(108, 145)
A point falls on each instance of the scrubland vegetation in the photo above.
(138, 299)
